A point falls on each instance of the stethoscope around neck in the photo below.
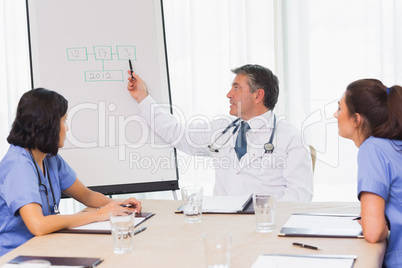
(56, 208)
(268, 147)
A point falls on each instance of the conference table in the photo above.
(170, 242)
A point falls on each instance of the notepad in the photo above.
(58, 261)
(322, 225)
(305, 261)
(103, 227)
(226, 204)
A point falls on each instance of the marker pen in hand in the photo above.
(131, 70)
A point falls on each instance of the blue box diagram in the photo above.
(103, 53)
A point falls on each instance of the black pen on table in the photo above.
(140, 230)
(305, 246)
(131, 69)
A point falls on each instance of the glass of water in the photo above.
(192, 203)
(122, 225)
(264, 210)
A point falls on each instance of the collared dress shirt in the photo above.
(287, 172)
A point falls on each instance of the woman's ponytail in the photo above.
(393, 127)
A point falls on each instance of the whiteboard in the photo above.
(81, 49)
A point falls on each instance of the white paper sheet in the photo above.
(313, 221)
(304, 261)
(229, 204)
(12, 265)
(103, 225)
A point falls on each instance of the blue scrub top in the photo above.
(19, 186)
(380, 172)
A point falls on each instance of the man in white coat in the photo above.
(252, 152)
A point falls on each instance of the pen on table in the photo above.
(305, 246)
(140, 230)
(358, 218)
(131, 69)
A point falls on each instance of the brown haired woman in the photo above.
(370, 114)
(33, 175)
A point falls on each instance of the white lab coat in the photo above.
(287, 172)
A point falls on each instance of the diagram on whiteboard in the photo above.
(103, 54)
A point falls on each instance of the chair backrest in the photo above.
(313, 153)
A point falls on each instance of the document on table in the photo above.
(224, 204)
(59, 262)
(304, 261)
(14, 265)
(103, 227)
(322, 225)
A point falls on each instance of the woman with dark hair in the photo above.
(33, 175)
(370, 114)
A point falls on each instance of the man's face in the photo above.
(241, 99)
